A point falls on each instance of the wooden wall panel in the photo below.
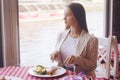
(10, 33)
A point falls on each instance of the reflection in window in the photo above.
(43, 7)
(52, 7)
(22, 8)
(32, 8)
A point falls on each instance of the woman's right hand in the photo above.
(54, 55)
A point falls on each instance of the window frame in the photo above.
(1, 58)
(9, 33)
(109, 18)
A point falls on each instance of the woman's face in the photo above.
(69, 18)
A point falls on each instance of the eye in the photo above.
(68, 14)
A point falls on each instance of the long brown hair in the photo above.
(80, 14)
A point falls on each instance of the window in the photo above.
(43, 7)
(38, 37)
(29, 43)
(32, 8)
(22, 8)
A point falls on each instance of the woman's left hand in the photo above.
(69, 60)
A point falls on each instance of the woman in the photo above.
(75, 45)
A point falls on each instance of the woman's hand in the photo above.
(69, 60)
(54, 55)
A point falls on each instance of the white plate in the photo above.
(11, 78)
(60, 71)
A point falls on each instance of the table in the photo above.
(22, 72)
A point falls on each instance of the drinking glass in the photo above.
(72, 67)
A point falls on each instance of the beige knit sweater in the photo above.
(86, 52)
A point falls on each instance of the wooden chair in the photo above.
(106, 68)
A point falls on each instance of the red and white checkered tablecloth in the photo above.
(22, 72)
